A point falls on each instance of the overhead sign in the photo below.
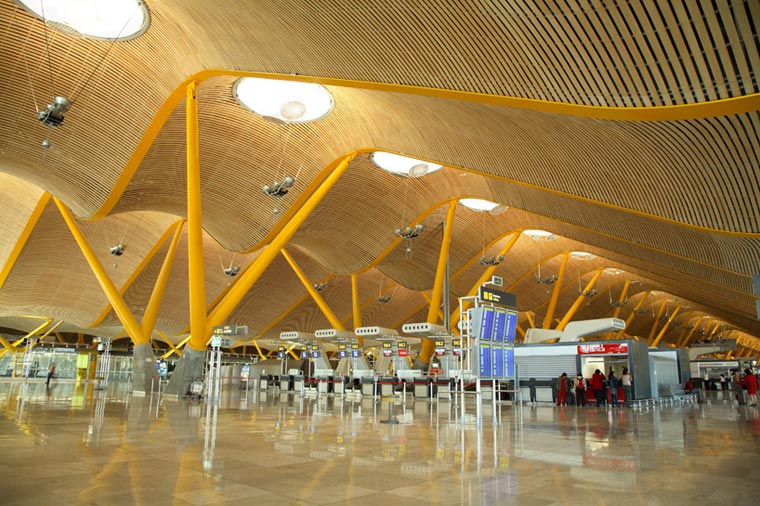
(440, 347)
(342, 346)
(603, 349)
(354, 346)
(494, 296)
(402, 352)
(230, 330)
(221, 342)
(401, 345)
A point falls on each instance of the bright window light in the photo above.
(478, 204)
(613, 271)
(538, 234)
(283, 101)
(95, 19)
(582, 255)
(402, 165)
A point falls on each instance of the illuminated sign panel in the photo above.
(603, 349)
(499, 322)
(510, 326)
(485, 362)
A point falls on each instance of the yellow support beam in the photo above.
(140, 268)
(440, 272)
(487, 274)
(23, 237)
(355, 309)
(176, 349)
(713, 108)
(120, 307)
(321, 304)
(60, 338)
(151, 310)
(665, 328)
(434, 312)
(529, 316)
(196, 267)
(632, 315)
(12, 347)
(258, 350)
(571, 312)
(555, 292)
(657, 319)
(259, 265)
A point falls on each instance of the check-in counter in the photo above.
(422, 387)
(369, 387)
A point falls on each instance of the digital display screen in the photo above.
(314, 354)
(354, 346)
(280, 354)
(341, 346)
(355, 353)
(485, 324)
(401, 344)
(509, 362)
(499, 324)
(314, 347)
(456, 343)
(498, 362)
(342, 354)
(439, 343)
(485, 362)
(304, 354)
(511, 326)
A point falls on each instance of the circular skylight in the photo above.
(95, 19)
(613, 271)
(478, 204)
(283, 101)
(538, 234)
(402, 165)
(582, 255)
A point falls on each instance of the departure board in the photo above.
(485, 361)
(509, 362)
(499, 324)
(498, 362)
(510, 327)
(483, 322)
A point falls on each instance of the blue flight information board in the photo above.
(483, 322)
(499, 322)
(485, 362)
(509, 362)
(498, 362)
(510, 326)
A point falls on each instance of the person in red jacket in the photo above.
(597, 386)
(750, 381)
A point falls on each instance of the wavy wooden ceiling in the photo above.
(675, 204)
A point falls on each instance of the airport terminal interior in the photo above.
(341, 252)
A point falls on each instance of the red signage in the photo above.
(402, 352)
(603, 349)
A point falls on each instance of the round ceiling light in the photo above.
(538, 234)
(479, 204)
(283, 101)
(402, 165)
(94, 19)
(582, 255)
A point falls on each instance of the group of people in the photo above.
(574, 392)
(748, 382)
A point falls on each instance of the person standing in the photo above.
(737, 383)
(562, 390)
(627, 381)
(723, 382)
(751, 383)
(614, 384)
(597, 386)
(580, 391)
(706, 382)
(51, 373)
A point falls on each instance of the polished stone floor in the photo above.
(72, 445)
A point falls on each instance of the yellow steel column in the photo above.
(196, 271)
(12, 346)
(440, 272)
(259, 350)
(665, 328)
(555, 293)
(487, 274)
(176, 349)
(120, 307)
(356, 310)
(531, 320)
(633, 313)
(571, 312)
(23, 237)
(334, 321)
(355, 301)
(623, 295)
(259, 265)
(428, 346)
(657, 319)
(151, 310)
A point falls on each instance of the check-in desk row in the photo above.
(372, 387)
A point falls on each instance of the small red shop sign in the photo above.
(402, 352)
(603, 349)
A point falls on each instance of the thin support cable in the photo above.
(47, 49)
